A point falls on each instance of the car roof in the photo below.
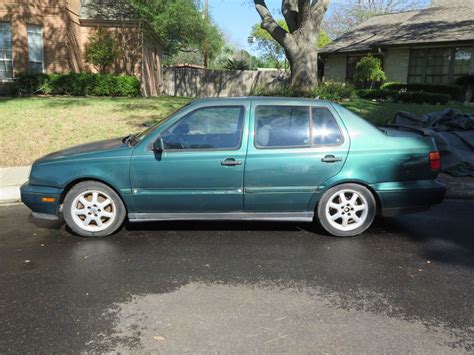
(266, 99)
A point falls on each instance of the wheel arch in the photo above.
(374, 193)
(74, 182)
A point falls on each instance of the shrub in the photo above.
(236, 64)
(369, 71)
(421, 98)
(467, 83)
(404, 97)
(77, 84)
(454, 91)
(326, 91)
(334, 91)
(376, 94)
(30, 84)
(102, 50)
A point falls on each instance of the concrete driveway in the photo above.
(406, 285)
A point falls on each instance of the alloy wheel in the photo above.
(347, 210)
(93, 211)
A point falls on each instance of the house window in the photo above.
(35, 49)
(438, 65)
(462, 62)
(6, 62)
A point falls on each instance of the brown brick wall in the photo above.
(65, 38)
(130, 40)
(47, 13)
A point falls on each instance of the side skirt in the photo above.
(228, 216)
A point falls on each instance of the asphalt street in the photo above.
(406, 285)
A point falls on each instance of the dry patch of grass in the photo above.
(33, 127)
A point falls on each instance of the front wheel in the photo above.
(92, 209)
(347, 210)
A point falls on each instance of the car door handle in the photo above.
(330, 159)
(231, 162)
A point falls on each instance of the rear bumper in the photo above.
(31, 196)
(411, 196)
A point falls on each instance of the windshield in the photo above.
(136, 138)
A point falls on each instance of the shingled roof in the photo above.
(434, 24)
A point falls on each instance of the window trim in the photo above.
(42, 48)
(12, 78)
(310, 144)
(242, 118)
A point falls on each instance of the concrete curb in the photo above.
(10, 181)
(458, 187)
(12, 178)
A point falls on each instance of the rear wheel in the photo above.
(92, 209)
(347, 210)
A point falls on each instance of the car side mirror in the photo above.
(158, 145)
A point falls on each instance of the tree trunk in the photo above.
(302, 55)
(303, 18)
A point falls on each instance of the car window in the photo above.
(282, 126)
(325, 128)
(207, 128)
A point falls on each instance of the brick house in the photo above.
(51, 36)
(430, 46)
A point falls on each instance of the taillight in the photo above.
(435, 161)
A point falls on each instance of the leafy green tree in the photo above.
(181, 25)
(369, 71)
(103, 50)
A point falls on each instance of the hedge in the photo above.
(405, 97)
(325, 91)
(454, 91)
(77, 84)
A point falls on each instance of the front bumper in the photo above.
(411, 196)
(31, 196)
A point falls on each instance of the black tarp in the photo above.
(453, 132)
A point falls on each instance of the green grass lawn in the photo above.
(379, 113)
(33, 127)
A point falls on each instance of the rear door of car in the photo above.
(296, 145)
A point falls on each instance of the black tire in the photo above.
(116, 208)
(349, 211)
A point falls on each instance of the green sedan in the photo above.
(265, 159)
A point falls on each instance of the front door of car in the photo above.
(201, 168)
(293, 150)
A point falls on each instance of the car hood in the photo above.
(89, 148)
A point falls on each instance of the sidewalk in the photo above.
(10, 181)
(12, 178)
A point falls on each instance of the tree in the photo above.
(300, 42)
(272, 52)
(102, 50)
(181, 25)
(178, 22)
(369, 71)
(349, 13)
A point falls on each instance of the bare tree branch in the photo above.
(269, 23)
(289, 9)
(319, 8)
